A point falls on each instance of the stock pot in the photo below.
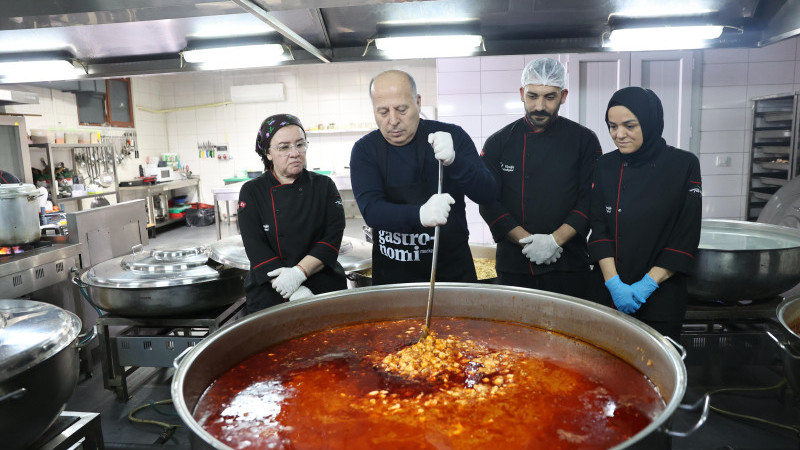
(38, 368)
(170, 280)
(739, 260)
(625, 337)
(19, 222)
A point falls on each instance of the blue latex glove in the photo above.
(622, 294)
(643, 288)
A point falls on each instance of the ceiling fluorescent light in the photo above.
(429, 40)
(665, 33)
(27, 67)
(231, 54)
(405, 47)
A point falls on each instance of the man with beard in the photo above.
(543, 164)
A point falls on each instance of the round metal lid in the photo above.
(167, 259)
(31, 332)
(355, 254)
(161, 267)
(17, 190)
(230, 251)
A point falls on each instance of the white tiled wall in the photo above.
(731, 77)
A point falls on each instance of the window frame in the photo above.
(107, 115)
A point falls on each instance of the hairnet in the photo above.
(545, 72)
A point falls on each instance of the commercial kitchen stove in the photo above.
(72, 430)
(153, 341)
(40, 267)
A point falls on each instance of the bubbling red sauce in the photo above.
(505, 385)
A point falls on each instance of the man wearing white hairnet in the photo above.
(543, 164)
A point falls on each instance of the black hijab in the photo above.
(646, 106)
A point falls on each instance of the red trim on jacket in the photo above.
(584, 215)
(495, 220)
(329, 245)
(616, 213)
(262, 263)
(679, 251)
(275, 218)
(522, 192)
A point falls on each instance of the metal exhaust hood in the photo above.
(10, 97)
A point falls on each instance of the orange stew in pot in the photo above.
(475, 384)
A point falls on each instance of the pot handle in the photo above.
(179, 359)
(783, 346)
(705, 403)
(139, 247)
(13, 395)
(87, 339)
(678, 347)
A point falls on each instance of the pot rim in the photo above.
(184, 362)
(776, 230)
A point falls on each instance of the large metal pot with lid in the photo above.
(171, 280)
(19, 222)
(38, 368)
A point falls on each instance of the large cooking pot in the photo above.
(38, 368)
(788, 314)
(629, 339)
(171, 280)
(745, 261)
(19, 222)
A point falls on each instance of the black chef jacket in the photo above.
(282, 223)
(648, 213)
(545, 181)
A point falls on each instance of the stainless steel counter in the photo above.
(148, 192)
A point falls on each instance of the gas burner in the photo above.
(11, 250)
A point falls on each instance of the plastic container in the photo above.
(71, 138)
(84, 137)
(59, 137)
(179, 215)
(179, 200)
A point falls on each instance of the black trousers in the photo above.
(575, 284)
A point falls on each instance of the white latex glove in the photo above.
(286, 280)
(442, 144)
(435, 210)
(301, 292)
(540, 248)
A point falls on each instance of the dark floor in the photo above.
(756, 364)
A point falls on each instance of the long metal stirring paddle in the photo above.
(426, 330)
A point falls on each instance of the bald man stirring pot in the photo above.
(394, 175)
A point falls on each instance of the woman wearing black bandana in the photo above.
(645, 215)
(291, 220)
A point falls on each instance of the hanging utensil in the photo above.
(426, 330)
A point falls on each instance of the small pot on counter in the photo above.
(19, 222)
(38, 368)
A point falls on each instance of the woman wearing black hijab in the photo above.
(645, 215)
(292, 221)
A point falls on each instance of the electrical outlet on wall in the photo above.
(722, 161)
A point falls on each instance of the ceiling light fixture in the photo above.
(44, 66)
(662, 33)
(234, 53)
(429, 40)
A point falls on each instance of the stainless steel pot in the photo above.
(788, 313)
(38, 368)
(19, 222)
(162, 282)
(745, 260)
(618, 333)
